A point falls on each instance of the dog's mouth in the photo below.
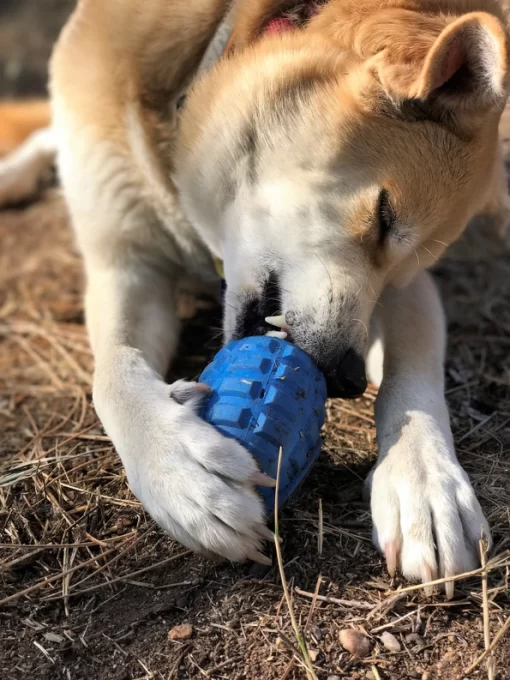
(263, 315)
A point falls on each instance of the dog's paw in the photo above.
(27, 169)
(197, 484)
(426, 518)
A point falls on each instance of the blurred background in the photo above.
(28, 29)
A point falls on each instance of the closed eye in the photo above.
(385, 215)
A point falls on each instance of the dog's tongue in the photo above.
(278, 25)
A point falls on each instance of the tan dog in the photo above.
(328, 157)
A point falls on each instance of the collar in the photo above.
(294, 17)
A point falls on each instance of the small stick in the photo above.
(221, 665)
(375, 672)
(125, 577)
(334, 600)
(58, 546)
(299, 636)
(52, 579)
(502, 631)
(496, 564)
(321, 529)
(485, 608)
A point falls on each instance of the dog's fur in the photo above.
(327, 166)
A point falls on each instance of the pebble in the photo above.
(317, 632)
(313, 654)
(182, 632)
(355, 642)
(415, 639)
(390, 642)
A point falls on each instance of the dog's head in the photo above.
(336, 151)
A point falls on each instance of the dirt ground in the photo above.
(90, 588)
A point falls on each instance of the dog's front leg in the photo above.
(426, 517)
(197, 484)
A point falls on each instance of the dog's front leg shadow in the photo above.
(426, 518)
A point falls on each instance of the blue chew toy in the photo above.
(268, 393)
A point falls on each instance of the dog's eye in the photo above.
(385, 215)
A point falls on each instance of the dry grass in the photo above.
(89, 586)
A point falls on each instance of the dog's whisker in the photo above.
(364, 325)
(434, 257)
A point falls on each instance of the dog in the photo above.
(327, 153)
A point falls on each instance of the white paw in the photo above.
(197, 484)
(24, 171)
(426, 518)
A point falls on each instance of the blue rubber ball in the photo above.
(268, 393)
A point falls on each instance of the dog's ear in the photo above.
(462, 64)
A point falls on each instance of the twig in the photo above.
(502, 631)
(58, 546)
(375, 672)
(45, 581)
(485, 608)
(175, 667)
(496, 563)
(125, 577)
(19, 559)
(321, 529)
(299, 636)
(334, 600)
(290, 665)
(221, 665)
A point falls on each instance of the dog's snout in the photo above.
(347, 380)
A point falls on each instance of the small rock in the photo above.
(333, 677)
(313, 654)
(390, 642)
(317, 632)
(416, 640)
(53, 637)
(183, 632)
(355, 642)
(425, 676)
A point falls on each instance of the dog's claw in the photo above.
(427, 575)
(390, 551)
(256, 556)
(449, 588)
(265, 532)
(261, 479)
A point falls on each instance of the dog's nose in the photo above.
(348, 379)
